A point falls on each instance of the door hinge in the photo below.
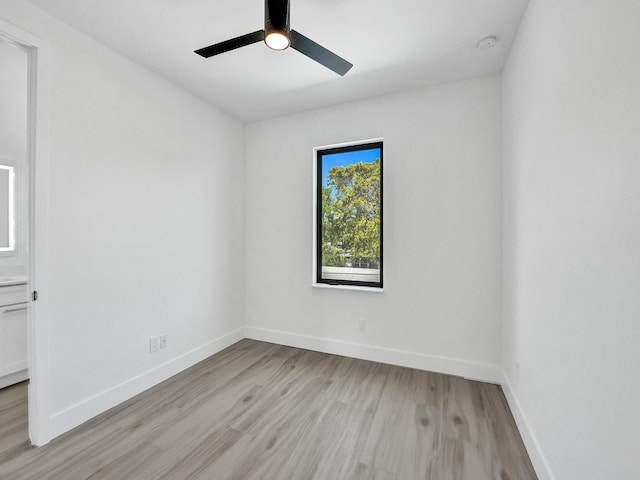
(34, 295)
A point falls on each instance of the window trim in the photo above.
(317, 229)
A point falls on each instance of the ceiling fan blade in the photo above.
(232, 44)
(318, 53)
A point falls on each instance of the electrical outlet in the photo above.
(362, 325)
(154, 344)
(163, 340)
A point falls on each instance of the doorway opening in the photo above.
(23, 214)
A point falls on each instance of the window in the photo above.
(348, 217)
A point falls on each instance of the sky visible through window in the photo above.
(345, 159)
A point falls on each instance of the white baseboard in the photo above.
(484, 372)
(71, 417)
(538, 458)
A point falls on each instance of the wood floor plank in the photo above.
(367, 472)
(263, 411)
(128, 465)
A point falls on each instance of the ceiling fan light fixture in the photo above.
(277, 40)
(277, 35)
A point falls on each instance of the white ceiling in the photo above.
(394, 45)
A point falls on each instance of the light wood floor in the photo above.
(263, 411)
(14, 437)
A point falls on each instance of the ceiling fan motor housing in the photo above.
(276, 17)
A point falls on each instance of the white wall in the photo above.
(572, 236)
(145, 223)
(441, 306)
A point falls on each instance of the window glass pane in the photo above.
(350, 215)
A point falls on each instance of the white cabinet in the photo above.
(13, 334)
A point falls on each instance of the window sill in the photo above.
(348, 287)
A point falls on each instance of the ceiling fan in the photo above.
(277, 34)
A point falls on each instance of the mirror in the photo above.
(7, 209)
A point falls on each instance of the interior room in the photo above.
(158, 226)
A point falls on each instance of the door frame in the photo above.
(38, 170)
